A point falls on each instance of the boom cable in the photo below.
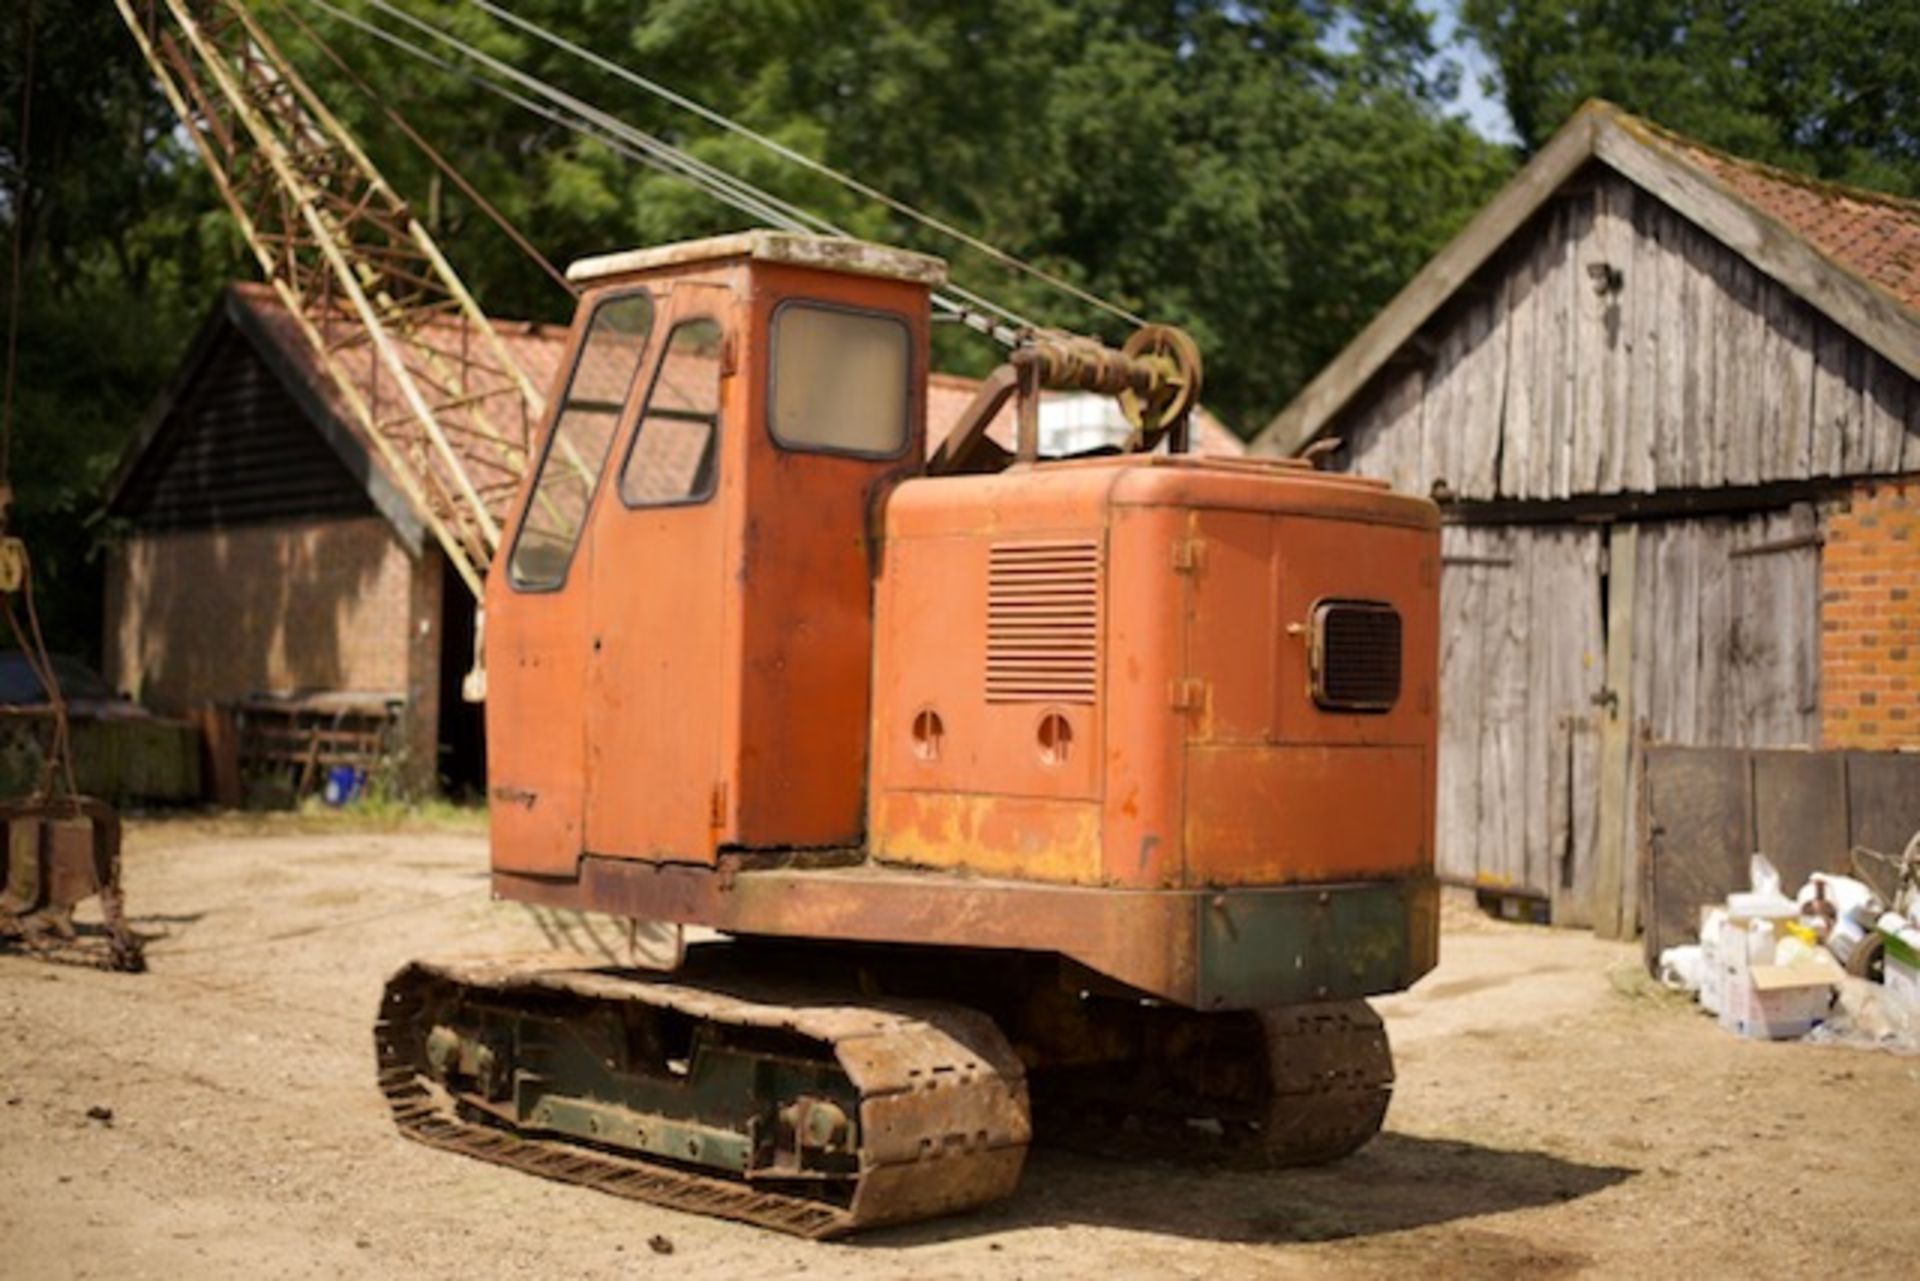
(634, 144)
(807, 162)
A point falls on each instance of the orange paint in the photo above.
(1201, 748)
(699, 680)
(1089, 673)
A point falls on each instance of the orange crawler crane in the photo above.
(1093, 793)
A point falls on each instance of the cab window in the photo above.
(597, 390)
(672, 458)
(840, 380)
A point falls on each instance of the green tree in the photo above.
(121, 252)
(1826, 87)
(1266, 174)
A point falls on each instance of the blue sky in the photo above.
(1486, 115)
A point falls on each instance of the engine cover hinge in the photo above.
(1189, 694)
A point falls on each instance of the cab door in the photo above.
(538, 600)
(657, 697)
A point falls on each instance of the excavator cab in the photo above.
(1096, 790)
(679, 647)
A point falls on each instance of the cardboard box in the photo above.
(1781, 1002)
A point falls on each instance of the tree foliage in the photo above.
(1266, 174)
(122, 250)
(1827, 87)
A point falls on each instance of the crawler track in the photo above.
(942, 1119)
(1293, 1086)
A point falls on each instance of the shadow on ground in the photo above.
(1398, 1182)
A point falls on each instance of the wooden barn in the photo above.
(1667, 399)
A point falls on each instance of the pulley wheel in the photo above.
(1176, 358)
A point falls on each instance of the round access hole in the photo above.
(1055, 738)
(928, 734)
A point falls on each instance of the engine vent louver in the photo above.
(1043, 622)
(1356, 655)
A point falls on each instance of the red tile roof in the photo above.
(495, 472)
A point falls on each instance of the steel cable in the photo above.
(805, 161)
(587, 120)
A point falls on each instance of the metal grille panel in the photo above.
(1043, 622)
(1356, 655)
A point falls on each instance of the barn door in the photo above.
(1725, 617)
(1773, 649)
(1727, 627)
(1522, 663)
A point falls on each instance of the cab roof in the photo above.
(828, 253)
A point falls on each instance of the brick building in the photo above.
(1668, 401)
(1870, 618)
(268, 553)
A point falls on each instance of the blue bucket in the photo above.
(343, 785)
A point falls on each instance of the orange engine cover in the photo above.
(1156, 672)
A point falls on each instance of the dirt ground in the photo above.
(1554, 1115)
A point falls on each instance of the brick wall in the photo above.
(1870, 619)
(209, 615)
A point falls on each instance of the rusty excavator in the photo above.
(1088, 797)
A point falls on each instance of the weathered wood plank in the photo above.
(1559, 817)
(1672, 466)
(1611, 863)
(1440, 416)
(1694, 409)
(1716, 717)
(1767, 408)
(1463, 612)
(1789, 367)
(1578, 880)
(1519, 426)
(1669, 628)
(1535, 547)
(1774, 639)
(1555, 365)
(1503, 711)
(1376, 442)
(1744, 327)
(1484, 369)
(1405, 455)
(1704, 408)
(1368, 438)
(1566, 667)
(1885, 407)
(1644, 324)
(1586, 301)
(1836, 413)
(1613, 243)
